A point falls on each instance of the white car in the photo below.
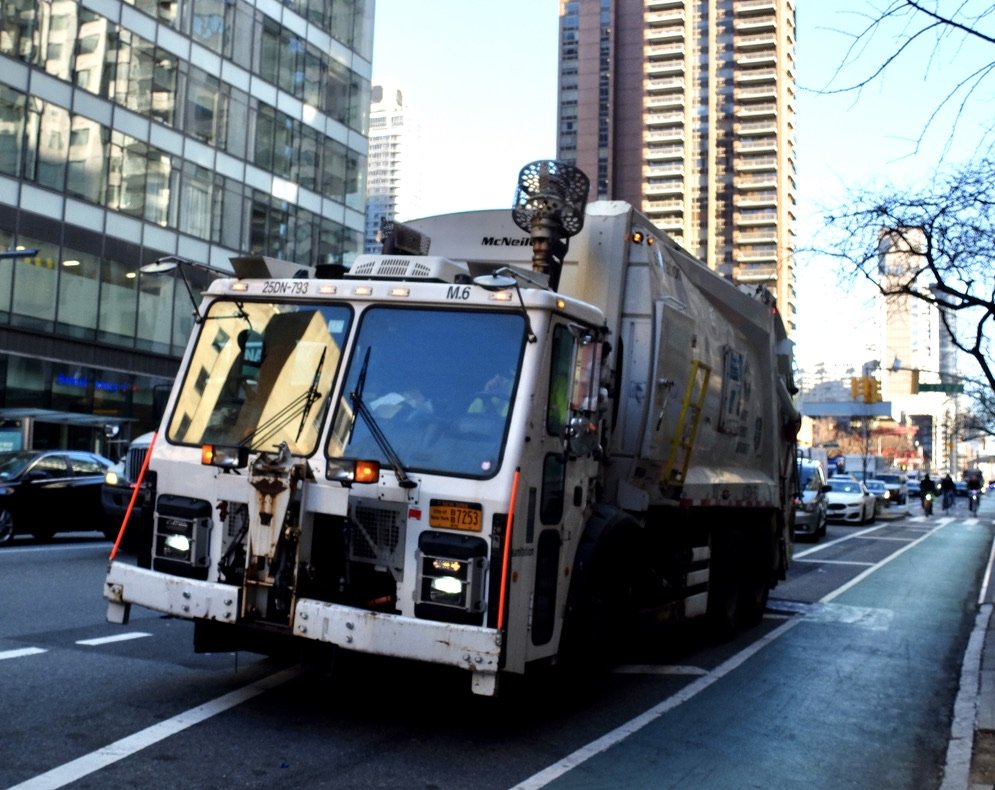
(849, 500)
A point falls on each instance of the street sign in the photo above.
(949, 389)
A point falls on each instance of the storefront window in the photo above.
(28, 383)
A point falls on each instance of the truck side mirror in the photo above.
(580, 436)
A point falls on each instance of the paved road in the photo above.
(849, 682)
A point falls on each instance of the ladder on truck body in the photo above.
(687, 424)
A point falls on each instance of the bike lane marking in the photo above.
(619, 734)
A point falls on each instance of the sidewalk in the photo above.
(982, 772)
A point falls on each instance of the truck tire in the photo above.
(740, 575)
(726, 584)
(602, 606)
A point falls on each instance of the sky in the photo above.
(482, 78)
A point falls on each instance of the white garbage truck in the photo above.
(546, 440)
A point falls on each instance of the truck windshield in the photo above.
(260, 375)
(437, 384)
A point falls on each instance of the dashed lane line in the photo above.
(106, 640)
(21, 653)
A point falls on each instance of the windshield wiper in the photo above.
(312, 393)
(359, 407)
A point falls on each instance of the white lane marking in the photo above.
(836, 562)
(76, 769)
(619, 734)
(20, 653)
(654, 669)
(824, 546)
(106, 640)
(983, 593)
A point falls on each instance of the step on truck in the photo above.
(548, 439)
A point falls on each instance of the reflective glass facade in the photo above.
(135, 129)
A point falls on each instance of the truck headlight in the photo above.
(174, 539)
(451, 572)
(446, 580)
(181, 542)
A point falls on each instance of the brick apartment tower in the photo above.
(685, 109)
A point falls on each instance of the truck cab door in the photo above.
(568, 465)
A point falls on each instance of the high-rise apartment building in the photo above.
(917, 351)
(136, 129)
(391, 181)
(684, 108)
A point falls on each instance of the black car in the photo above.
(47, 491)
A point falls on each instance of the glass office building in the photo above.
(132, 130)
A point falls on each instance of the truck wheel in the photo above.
(728, 584)
(6, 527)
(602, 607)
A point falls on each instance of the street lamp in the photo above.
(18, 253)
(168, 263)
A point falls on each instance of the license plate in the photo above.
(464, 516)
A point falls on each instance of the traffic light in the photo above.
(855, 390)
(914, 384)
(870, 389)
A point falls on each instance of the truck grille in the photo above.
(377, 536)
(133, 465)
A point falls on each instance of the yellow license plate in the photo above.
(465, 516)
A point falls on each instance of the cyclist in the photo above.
(974, 483)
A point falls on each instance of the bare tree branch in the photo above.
(945, 242)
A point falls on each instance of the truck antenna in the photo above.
(549, 205)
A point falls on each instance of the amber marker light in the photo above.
(367, 472)
(225, 457)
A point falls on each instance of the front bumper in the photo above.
(473, 648)
(845, 513)
(806, 522)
